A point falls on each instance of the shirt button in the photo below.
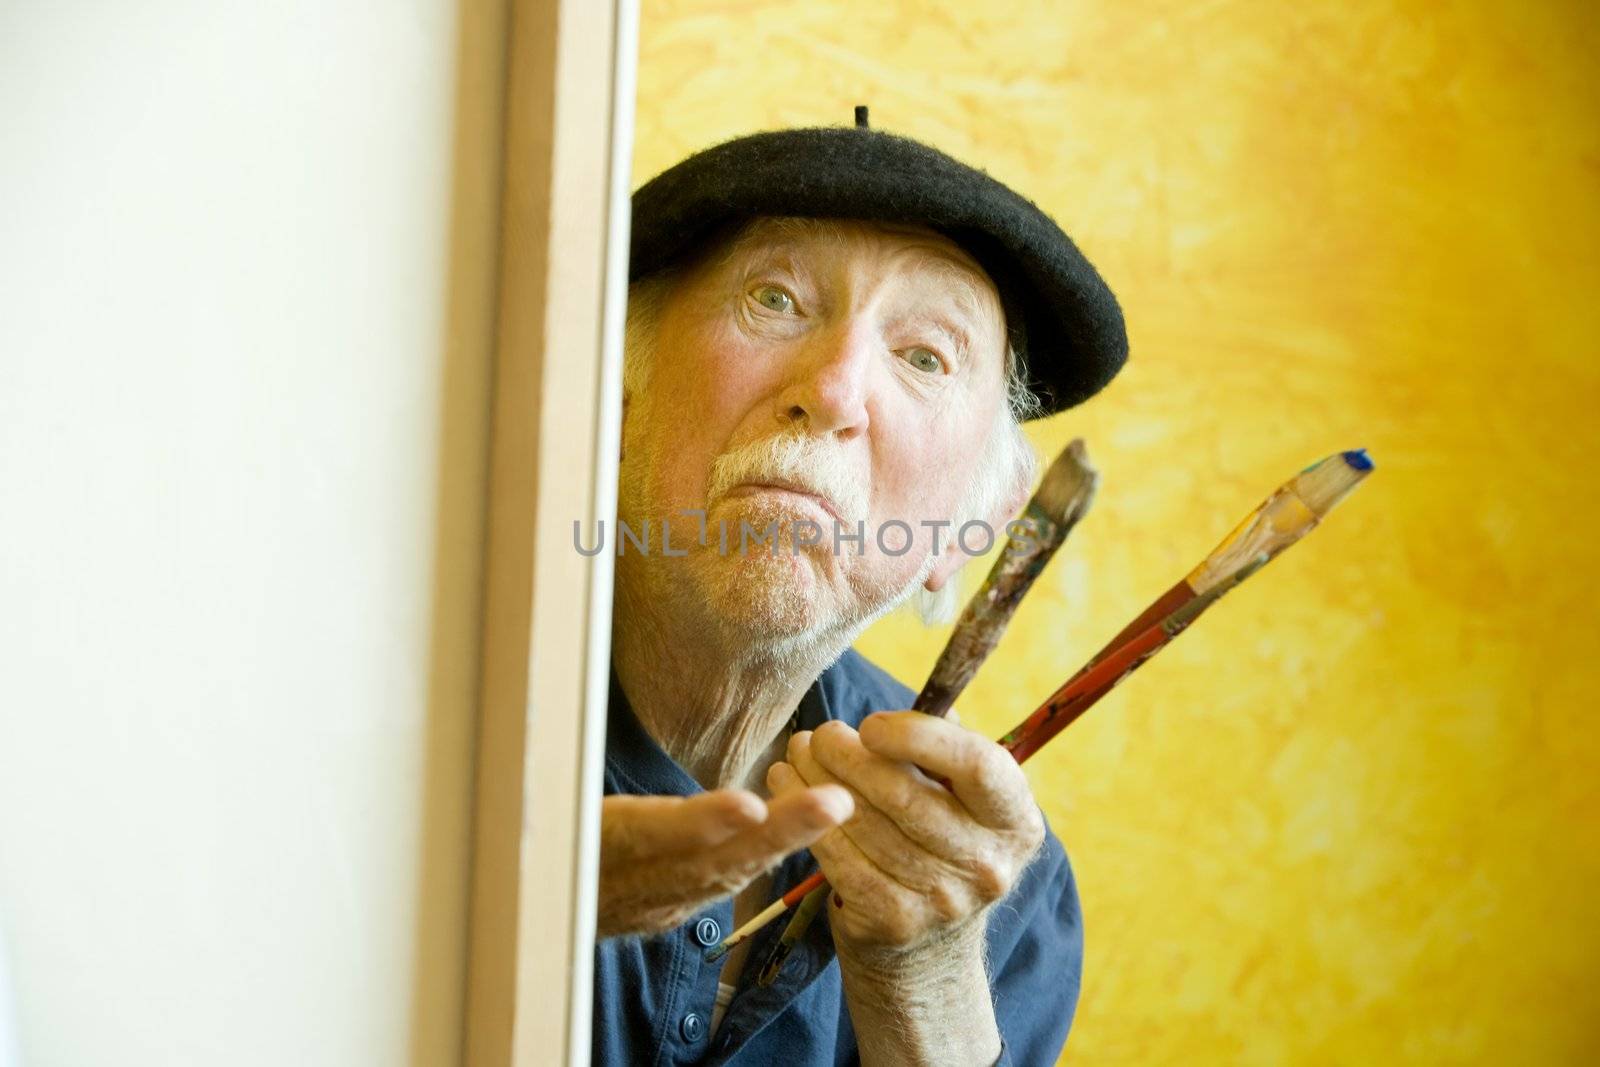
(707, 932)
(693, 1027)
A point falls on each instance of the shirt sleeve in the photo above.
(1035, 941)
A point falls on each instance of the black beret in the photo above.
(1064, 320)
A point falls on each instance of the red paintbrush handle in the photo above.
(1164, 605)
(1170, 601)
(1081, 692)
(797, 894)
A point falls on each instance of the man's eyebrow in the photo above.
(961, 286)
(964, 290)
(769, 235)
(779, 236)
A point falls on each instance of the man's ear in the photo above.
(952, 556)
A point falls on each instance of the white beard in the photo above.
(780, 608)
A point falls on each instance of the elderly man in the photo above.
(833, 335)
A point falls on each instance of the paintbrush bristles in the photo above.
(1063, 497)
(1068, 487)
(1285, 517)
(1325, 484)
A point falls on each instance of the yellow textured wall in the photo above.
(1353, 816)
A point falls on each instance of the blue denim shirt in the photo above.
(653, 997)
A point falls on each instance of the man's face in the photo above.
(830, 373)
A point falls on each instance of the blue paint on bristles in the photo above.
(1358, 459)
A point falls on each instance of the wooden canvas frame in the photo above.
(568, 121)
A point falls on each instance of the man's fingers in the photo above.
(917, 806)
(784, 781)
(795, 820)
(803, 815)
(634, 827)
(883, 907)
(662, 858)
(924, 841)
(983, 775)
(728, 811)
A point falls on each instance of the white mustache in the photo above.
(804, 462)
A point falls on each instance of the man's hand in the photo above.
(917, 867)
(916, 860)
(664, 858)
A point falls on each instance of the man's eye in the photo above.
(773, 298)
(925, 360)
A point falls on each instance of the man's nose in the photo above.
(826, 390)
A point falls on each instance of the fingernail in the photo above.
(838, 803)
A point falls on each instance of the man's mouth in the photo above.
(787, 488)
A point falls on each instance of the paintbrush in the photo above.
(1291, 512)
(1084, 689)
(1064, 496)
(1286, 516)
(1077, 695)
(798, 925)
